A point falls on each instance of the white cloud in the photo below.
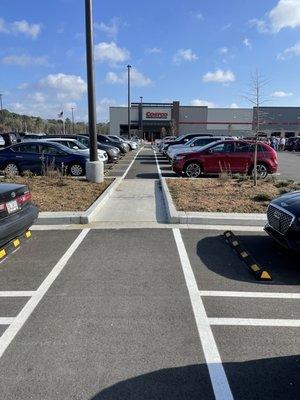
(281, 93)
(227, 26)
(223, 50)
(25, 60)
(111, 53)
(184, 55)
(23, 86)
(233, 105)
(153, 50)
(3, 27)
(219, 76)
(199, 16)
(111, 29)
(20, 27)
(290, 52)
(38, 97)
(247, 43)
(286, 14)
(70, 87)
(202, 103)
(137, 78)
(103, 108)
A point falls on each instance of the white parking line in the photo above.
(217, 374)
(126, 172)
(157, 164)
(17, 294)
(6, 321)
(265, 295)
(254, 322)
(19, 321)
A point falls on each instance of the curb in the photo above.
(14, 244)
(259, 273)
(78, 217)
(208, 218)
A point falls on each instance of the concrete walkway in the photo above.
(139, 197)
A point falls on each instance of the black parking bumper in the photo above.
(18, 223)
(289, 241)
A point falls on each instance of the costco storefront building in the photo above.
(156, 120)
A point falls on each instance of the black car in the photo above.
(17, 212)
(123, 147)
(113, 152)
(35, 156)
(284, 220)
(182, 139)
(9, 139)
(292, 144)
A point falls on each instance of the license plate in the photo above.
(12, 206)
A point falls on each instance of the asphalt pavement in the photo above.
(139, 313)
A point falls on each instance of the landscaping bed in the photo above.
(226, 195)
(61, 194)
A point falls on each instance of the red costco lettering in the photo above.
(157, 115)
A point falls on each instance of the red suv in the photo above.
(236, 156)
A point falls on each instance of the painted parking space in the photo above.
(256, 331)
(111, 323)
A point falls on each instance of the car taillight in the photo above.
(2, 207)
(25, 198)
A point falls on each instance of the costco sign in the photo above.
(157, 114)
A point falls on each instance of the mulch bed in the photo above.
(232, 195)
(61, 194)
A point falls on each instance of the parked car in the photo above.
(123, 147)
(293, 144)
(160, 142)
(2, 142)
(181, 140)
(133, 138)
(34, 156)
(284, 221)
(9, 139)
(78, 147)
(194, 145)
(17, 212)
(33, 136)
(236, 156)
(113, 153)
(132, 145)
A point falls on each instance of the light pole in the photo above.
(73, 120)
(1, 105)
(142, 126)
(129, 117)
(94, 168)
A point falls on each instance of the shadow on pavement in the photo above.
(263, 379)
(216, 254)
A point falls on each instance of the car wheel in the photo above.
(262, 171)
(11, 169)
(193, 170)
(76, 170)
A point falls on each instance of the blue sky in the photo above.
(198, 52)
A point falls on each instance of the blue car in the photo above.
(35, 155)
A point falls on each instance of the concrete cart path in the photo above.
(139, 196)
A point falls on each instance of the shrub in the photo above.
(263, 197)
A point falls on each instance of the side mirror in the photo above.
(186, 140)
(192, 145)
(75, 148)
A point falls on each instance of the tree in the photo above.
(256, 96)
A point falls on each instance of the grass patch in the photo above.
(57, 194)
(220, 195)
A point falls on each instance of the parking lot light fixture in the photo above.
(129, 105)
(94, 168)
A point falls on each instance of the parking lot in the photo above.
(135, 313)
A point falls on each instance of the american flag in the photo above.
(60, 115)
